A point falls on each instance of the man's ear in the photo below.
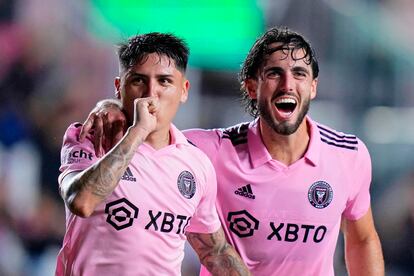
(250, 85)
(184, 92)
(117, 83)
(314, 86)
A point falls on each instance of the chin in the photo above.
(284, 129)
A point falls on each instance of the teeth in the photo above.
(286, 100)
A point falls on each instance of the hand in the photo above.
(107, 124)
(145, 110)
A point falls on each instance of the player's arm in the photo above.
(363, 252)
(83, 191)
(108, 124)
(216, 254)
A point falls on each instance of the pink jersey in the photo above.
(140, 228)
(285, 220)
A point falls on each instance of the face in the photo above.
(154, 76)
(283, 89)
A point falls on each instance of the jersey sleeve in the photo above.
(205, 219)
(359, 200)
(206, 140)
(74, 155)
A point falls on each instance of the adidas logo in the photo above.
(128, 176)
(245, 191)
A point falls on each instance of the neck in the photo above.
(159, 138)
(286, 149)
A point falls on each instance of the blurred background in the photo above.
(57, 59)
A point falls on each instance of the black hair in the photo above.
(136, 48)
(261, 50)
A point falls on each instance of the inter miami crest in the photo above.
(186, 184)
(320, 194)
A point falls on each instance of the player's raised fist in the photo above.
(145, 114)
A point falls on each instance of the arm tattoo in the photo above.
(101, 178)
(219, 257)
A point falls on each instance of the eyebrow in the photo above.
(135, 74)
(273, 68)
(165, 75)
(300, 69)
(131, 74)
(280, 69)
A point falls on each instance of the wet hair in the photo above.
(261, 51)
(138, 47)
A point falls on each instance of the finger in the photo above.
(115, 114)
(107, 135)
(86, 127)
(98, 133)
(117, 132)
(152, 105)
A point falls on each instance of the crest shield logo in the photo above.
(186, 184)
(320, 194)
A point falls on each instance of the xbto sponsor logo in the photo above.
(294, 232)
(121, 214)
(244, 224)
(166, 222)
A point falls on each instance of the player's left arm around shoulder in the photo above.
(363, 253)
(216, 254)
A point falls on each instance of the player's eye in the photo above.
(300, 74)
(272, 74)
(165, 81)
(137, 81)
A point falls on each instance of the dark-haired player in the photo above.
(129, 211)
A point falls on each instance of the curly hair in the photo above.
(260, 52)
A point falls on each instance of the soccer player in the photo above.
(129, 211)
(287, 184)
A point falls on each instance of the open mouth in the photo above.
(286, 105)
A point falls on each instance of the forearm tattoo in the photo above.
(102, 178)
(219, 257)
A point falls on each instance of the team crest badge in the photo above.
(320, 194)
(186, 184)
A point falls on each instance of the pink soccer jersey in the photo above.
(140, 228)
(285, 220)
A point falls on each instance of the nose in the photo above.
(152, 89)
(287, 82)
